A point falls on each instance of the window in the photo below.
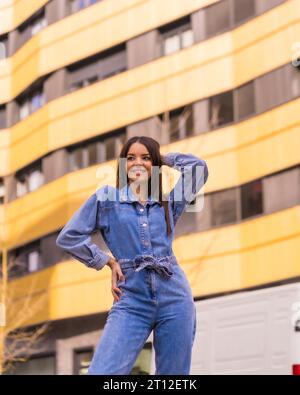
(217, 18)
(113, 61)
(82, 361)
(112, 145)
(295, 81)
(83, 73)
(84, 156)
(82, 84)
(31, 101)
(96, 151)
(36, 255)
(187, 38)
(25, 259)
(2, 117)
(275, 87)
(37, 101)
(174, 125)
(243, 10)
(29, 179)
(31, 26)
(120, 141)
(32, 256)
(110, 148)
(281, 190)
(33, 261)
(17, 263)
(38, 25)
(171, 44)
(50, 252)
(220, 110)
(252, 199)
(24, 109)
(76, 161)
(177, 35)
(245, 101)
(181, 123)
(77, 5)
(3, 47)
(21, 186)
(35, 179)
(224, 207)
(226, 14)
(91, 153)
(2, 191)
(97, 67)
(265, 5)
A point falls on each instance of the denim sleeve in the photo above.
(194, 174)
(75, 237)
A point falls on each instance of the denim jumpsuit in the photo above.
(156, 294)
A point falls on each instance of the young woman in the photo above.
(150, 289)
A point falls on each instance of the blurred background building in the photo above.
(79, 77)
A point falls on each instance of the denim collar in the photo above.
(127, 196)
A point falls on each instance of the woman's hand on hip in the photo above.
(116, 276)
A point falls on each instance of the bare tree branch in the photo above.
(20, 341)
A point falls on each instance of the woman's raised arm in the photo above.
(194, 174)
(75, 237)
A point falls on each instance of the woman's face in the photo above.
(138, 163)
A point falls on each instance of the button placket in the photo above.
(144, 229)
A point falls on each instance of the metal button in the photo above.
(144, 224)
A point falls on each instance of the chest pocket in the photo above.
(157, 219)
(122, 215)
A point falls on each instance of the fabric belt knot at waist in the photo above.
(162, 265)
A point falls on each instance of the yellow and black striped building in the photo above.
(79, 77)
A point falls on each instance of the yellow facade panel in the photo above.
(85, 33)
(141, 93)
(15, 12)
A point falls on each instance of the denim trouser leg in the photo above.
(123, 337)
(149, 302)
(175, 327)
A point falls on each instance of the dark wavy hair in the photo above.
(157, 160)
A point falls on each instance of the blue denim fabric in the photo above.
(156, 293)
(149, 302)
(128, 228)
